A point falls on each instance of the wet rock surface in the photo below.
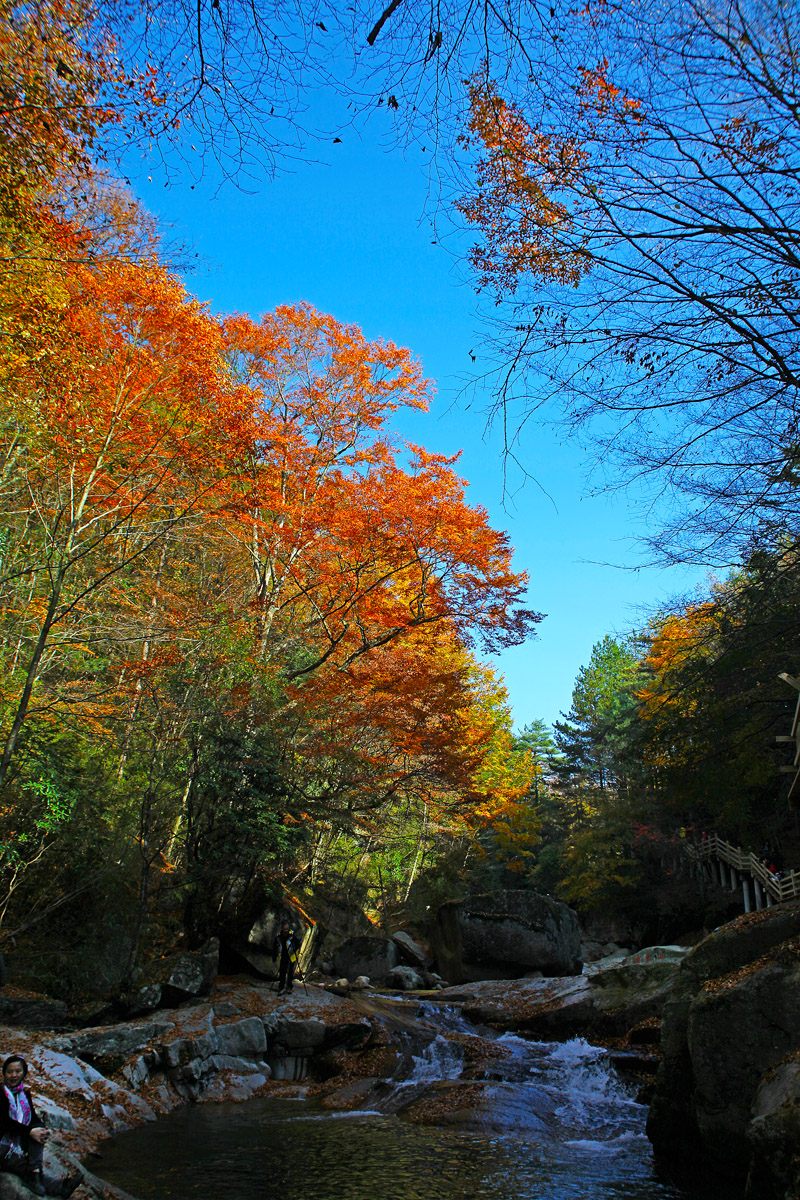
(608, 1001)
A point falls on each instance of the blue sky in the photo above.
(349, 236)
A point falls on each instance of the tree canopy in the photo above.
(240, 614)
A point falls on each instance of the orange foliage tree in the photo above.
(357, 544)
(116, 445)
(212, 538)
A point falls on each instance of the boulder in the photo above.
(141, 1000)
(774, 1132)
(108, 1047)
(411, 952)
(33, 1012)
(224, 1008)
(520, 930)
(732, 1019)
(55, 1116)
(251, 947)
(297, 1036)
(404, 979)
(604, 1003)
(349, 1035)
(591, 951)
(242, 1039)
(371, 956)
(189, 974)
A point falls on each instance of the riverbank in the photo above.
(232, 1045)
(442, 1059)
(241, 1041)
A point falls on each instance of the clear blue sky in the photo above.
(349, 237)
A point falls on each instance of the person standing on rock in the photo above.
(23, 1135)
(287, 943)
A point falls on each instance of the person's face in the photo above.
(13, 1074)
(285, 927)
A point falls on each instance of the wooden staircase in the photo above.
(732, 868)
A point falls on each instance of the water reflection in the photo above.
(296, 1151)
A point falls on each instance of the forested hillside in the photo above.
(672, 733)
(238, 611)
(242, 618)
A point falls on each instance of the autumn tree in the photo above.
(712, 703)
(349, 534)
(104, 459)
(637, 220)
(238, 613)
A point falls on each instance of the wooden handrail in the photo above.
(713, 846)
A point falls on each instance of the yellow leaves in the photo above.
(679, 638)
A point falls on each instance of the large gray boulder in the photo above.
(774, 1132)
(732, 1019)
(404, 979)
(242, 1038)
(520, 931)
(192, 974)
(251, 945)
(371, 956)
(412, 953)
(295, 1035)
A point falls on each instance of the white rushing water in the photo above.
(438, 1061)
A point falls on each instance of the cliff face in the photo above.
(729, 1083)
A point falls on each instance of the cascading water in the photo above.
(439, 1060)
(519, 1120)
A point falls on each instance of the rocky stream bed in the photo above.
(536, 1087)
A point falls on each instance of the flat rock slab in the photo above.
(605, 1002)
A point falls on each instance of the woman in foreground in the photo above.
(23, 1135)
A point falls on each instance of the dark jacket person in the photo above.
(23, 1135)
(287, 943)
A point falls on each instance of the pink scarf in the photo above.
(19, 1108)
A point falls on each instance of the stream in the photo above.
(537, 1120)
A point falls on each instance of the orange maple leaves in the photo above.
(533, 188)
(520, 202)
(354, 533)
